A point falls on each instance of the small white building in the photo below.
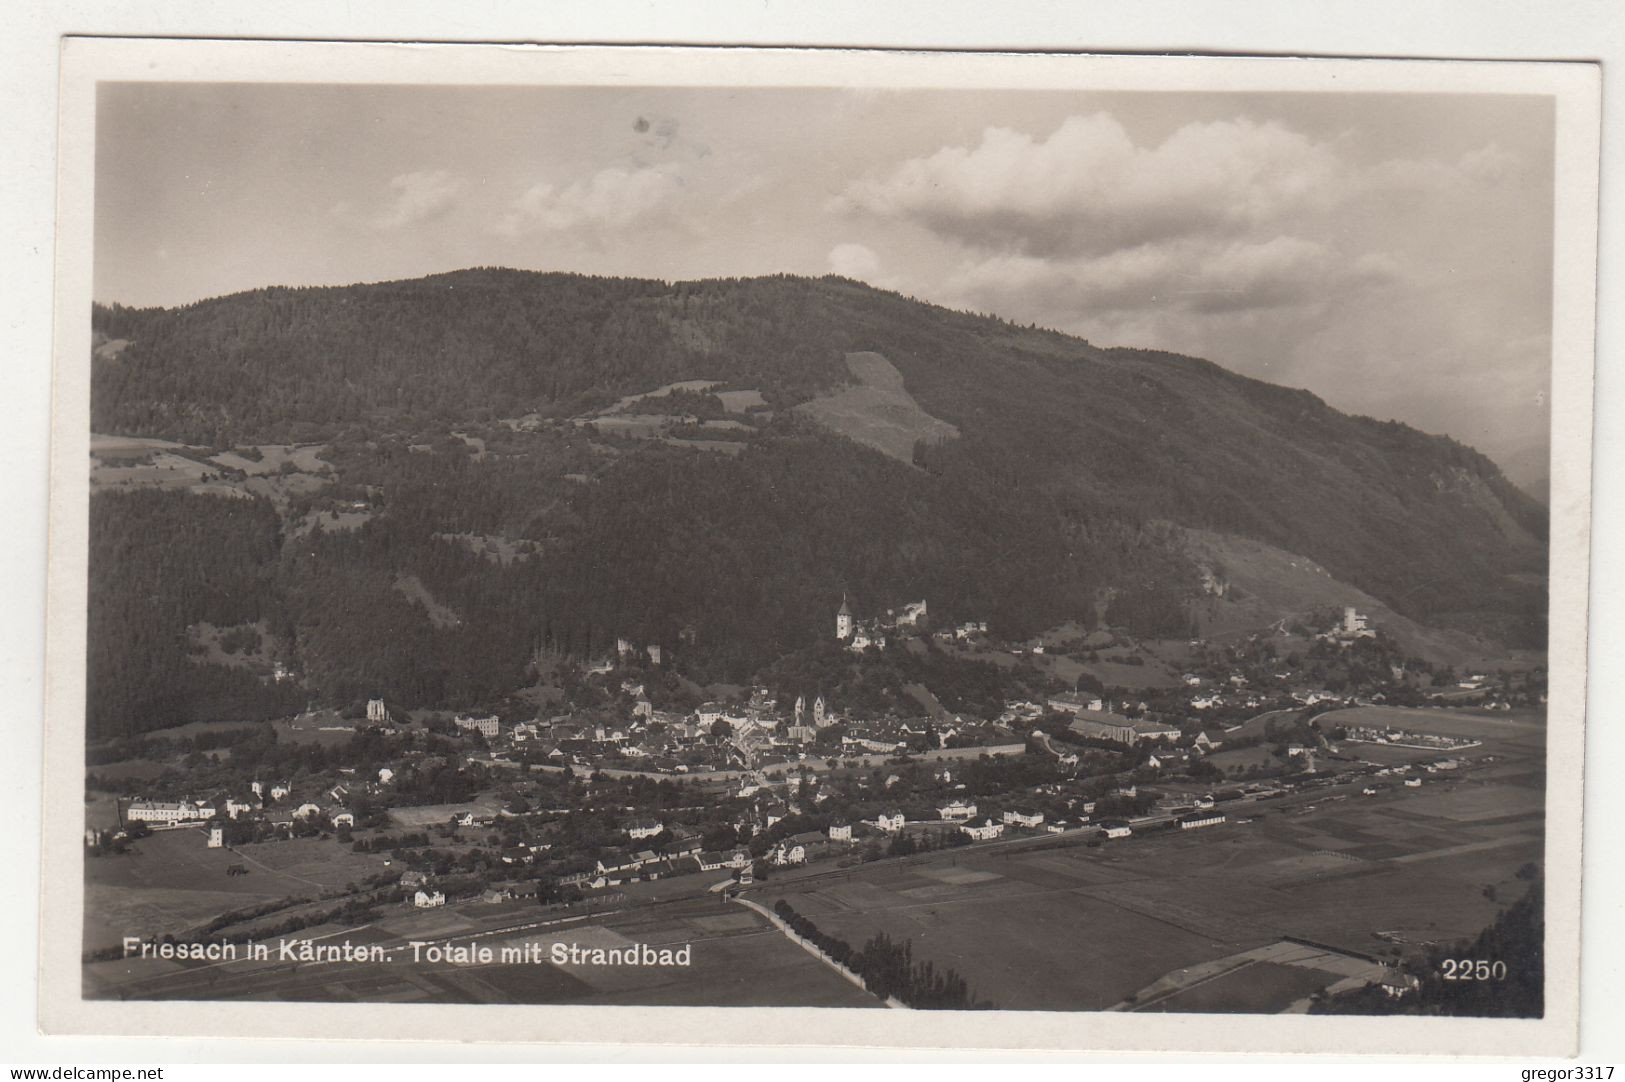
(1015, 817)
(983, 832)
(429, 899)
(644, 828)
(957, 809)
(889, 821)
(840, 832)
(1396, 983)
(160, 811)
(487, 727)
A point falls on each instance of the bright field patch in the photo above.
(1441, 721)
(878, 411)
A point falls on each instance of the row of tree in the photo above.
(888, 968)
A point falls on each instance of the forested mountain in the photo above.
(729, 533)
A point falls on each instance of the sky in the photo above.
(1390, 252)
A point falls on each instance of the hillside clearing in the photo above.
(878, 411)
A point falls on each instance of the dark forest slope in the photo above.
(1067, 458)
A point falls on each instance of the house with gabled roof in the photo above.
(640, 829)
(890, 821)
(984, 831)
(1023, 817)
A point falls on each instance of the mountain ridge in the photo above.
(1066, 457)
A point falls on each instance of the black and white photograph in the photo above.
(1029, 537)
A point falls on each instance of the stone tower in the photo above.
(843, 620)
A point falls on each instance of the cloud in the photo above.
(1087, 189)
(1485, 167)
(612, 198)
(854, 261)
(1193, 275)
(417, 197)
(1218, 227)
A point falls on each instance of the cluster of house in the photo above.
(424, 895)
(1230, 691)
(663, 741)
(969, 631)
(271, 802)
(1090, 718)
(862, 634)
(1362, 734)
(686, 855)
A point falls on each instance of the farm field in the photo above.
(138, 769)
(434, 815)
(172, 880)
(999, 922)
(1261, 979)
(1234, 759)
(1153, 674)
(320, 727)
(1514, 726)
(1084, 928)
(1258, 988)
(123, 462)
(1389, 755)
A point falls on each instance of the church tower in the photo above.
(818, 712)
(843, 620)
(801, 708)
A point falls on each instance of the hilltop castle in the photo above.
(861, 635)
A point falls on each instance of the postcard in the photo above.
(815, 547)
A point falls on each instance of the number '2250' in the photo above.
(1472, 969)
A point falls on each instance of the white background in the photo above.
(29, 40)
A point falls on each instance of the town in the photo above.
(626, 786)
